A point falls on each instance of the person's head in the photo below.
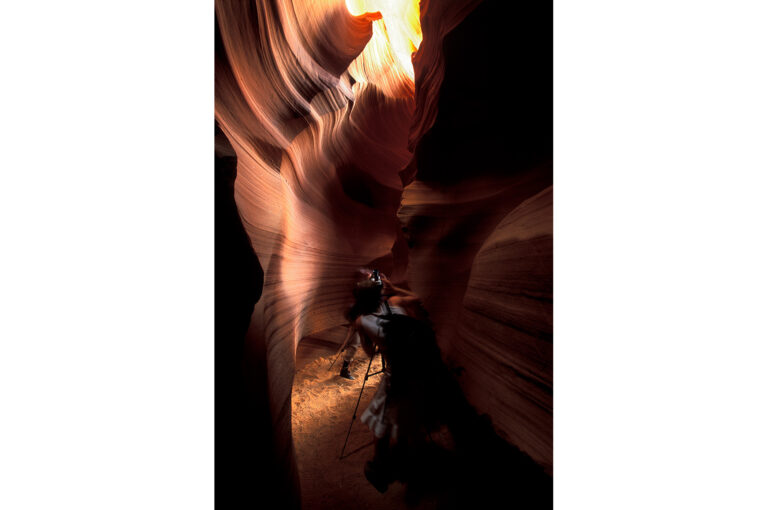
(367, 293)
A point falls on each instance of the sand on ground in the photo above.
(322, 407)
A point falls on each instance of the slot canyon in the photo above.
(412, 137)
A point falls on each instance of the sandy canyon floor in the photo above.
(322, 407)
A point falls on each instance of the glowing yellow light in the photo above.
(387, 57)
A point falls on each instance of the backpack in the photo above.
(417, 384)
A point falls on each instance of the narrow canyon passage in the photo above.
(422, 159)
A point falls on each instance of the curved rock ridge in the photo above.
(318, 153)
(504, 339)
(485, 276)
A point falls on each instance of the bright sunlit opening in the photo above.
(395, 37)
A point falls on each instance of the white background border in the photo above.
(106, 286)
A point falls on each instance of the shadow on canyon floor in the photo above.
(466, 465)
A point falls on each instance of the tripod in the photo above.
(354, 414)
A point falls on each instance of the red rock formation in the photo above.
(504, 339)
(325, 126)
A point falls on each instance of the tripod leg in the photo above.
(354, 415)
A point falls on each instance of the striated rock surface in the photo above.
(351, 153)
(504, 338)
(487, 152)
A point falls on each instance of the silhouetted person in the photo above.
(381, 322)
